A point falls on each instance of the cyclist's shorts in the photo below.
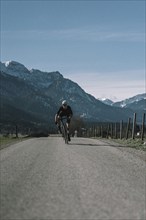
(68, 119)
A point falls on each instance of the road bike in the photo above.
(64, 129)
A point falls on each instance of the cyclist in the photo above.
(64, 110)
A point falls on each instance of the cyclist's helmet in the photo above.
(64, 103)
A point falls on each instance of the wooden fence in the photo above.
(119, 129)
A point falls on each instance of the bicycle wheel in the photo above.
(64, 132)
(66, 135)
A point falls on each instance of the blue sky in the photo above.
(98, 44)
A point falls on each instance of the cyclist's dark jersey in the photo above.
(65, 112)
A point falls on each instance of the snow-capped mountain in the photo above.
(14, 68)
(136, 103)
(128, 103)
(35, 77)
(106, 101)
(34, 96)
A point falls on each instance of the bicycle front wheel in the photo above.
(64, 133)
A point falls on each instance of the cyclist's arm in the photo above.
(59, 111)
(71, 113)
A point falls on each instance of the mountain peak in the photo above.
(106, 101)
(14, 68)
(13, 64)
(7, 63)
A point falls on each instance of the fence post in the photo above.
(101, 131)
(143, 125)
(128, 126)
(111, 130)
(134, 125)
(108, 130)
(95, 131)
(16, 131)
(121, 128)
(92, 131)
(115, 130)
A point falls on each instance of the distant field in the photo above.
(7, 141)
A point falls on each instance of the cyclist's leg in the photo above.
(57, 122)
(68, 122)
(68, 127)
(56, 119)
(69, 137)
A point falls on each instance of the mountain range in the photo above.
(136, 103)
(30, 98)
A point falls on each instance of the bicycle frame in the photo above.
(64, 129)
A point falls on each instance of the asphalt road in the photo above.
(43, 178)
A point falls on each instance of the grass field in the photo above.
(136, 143)
(7, 141)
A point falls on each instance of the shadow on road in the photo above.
(93, 145)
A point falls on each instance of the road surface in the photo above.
(42, 179)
